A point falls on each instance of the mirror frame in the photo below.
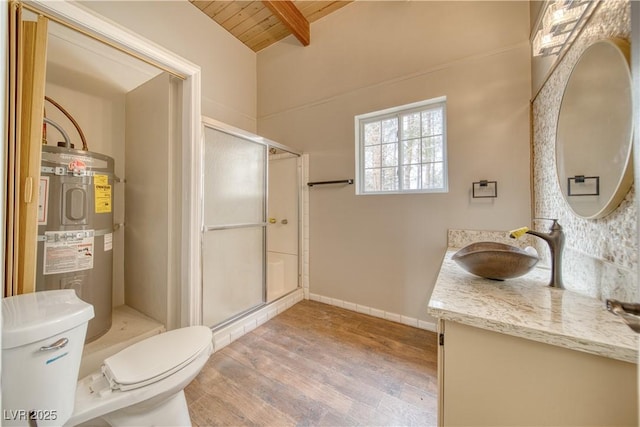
(625, 175)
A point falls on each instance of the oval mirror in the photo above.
(594, 134)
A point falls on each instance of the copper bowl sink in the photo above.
(496, 261)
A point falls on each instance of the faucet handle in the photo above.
(554, 225)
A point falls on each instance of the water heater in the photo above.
(75, 229)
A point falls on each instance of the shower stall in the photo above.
(251, 223)
(283, 246)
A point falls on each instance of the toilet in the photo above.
(42, 340)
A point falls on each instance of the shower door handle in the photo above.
(274, 221)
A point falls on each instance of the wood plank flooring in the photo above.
(319, 365)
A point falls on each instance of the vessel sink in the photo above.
(497, 261)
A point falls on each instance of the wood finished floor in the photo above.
(319, 365)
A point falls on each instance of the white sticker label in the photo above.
(108, 242)
(43, 200)
(67, 251)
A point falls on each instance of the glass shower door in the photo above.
(233, 239)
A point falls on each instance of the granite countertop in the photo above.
(526, 307)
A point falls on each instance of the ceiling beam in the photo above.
(292, 18)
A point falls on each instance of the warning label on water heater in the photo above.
(67, 251)
(102, 193)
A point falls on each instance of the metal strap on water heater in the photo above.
(62, 171)
(76, 234)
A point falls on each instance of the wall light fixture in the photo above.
(561, 21)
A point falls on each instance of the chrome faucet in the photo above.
(555, 239)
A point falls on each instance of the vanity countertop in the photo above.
(526, 307)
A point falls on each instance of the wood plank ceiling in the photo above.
(259, 24)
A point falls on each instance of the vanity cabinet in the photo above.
(488, 378)
(519, 352)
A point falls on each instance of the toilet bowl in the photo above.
(42, 340)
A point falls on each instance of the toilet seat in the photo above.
(95, 400)
(43, 367)
(155, 358)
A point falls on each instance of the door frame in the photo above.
(92, 24)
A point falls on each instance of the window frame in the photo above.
(397, 112)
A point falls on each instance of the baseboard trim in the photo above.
(231, 332)
(234, 330)
(359, 308)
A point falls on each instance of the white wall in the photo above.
(384, 252)
(149, 193)
(228, 67)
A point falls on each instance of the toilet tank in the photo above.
(42, 340)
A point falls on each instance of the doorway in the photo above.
(98, 94)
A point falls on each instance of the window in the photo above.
(402, 149)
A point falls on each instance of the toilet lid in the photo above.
(155, 358)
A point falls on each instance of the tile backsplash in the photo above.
(462, 238)
(600, 256)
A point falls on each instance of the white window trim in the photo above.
(359, 148)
